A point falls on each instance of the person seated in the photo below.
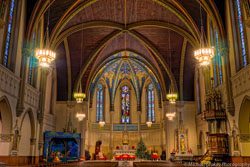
(163, 155)
(87, 155)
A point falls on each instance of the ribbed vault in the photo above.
(97, 27)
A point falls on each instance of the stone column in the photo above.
(165, 127)
(20, 103)
(111, 128)
(83, 127)
(139, 125)
(139, 119)
(32, 149)
(43, 82)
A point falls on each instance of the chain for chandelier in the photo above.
(45, 55)
(125, 26)
(203, 54)
(171, 96)
(79, 95)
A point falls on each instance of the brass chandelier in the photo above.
(204, 54)
(45, 55)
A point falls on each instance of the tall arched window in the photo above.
(150, 103)
(125, 104)
(8, 33)
(99, 103)
(219, 61)
(241, 32)
(32, 72)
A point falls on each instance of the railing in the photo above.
(214, 114)
(9, 82)
(121, 127)
(31, 95)
(245, 137)
(5, 137)
(241, 81)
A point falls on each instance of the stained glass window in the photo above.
(125, 105)
(218, 57)
(241, 32)
(151, 103)
(99, 103)
(32, 64)
(32, 70)
(8, 35)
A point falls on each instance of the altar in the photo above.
(124, 152)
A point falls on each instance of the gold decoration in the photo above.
(45, 57)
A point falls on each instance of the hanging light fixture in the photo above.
(172, 95)
(125, 27)
(203, 54)
(79, 95)
(80, 116)
(101, 123)
(149, 123)
(45, 55)
(170, 115)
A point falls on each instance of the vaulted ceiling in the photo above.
(86, 33)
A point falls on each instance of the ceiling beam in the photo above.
(66, 46)
(158, 55)
(84, 26)
(69, 14)
(117, 26)
(182, 64)
(94, 54)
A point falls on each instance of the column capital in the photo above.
(71, 104)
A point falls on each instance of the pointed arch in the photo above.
(32, 121)
(244, 116)
(6, 116)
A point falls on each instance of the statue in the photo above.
(97, 149)
(235, 137)
(182, 144)
(235, 141)
(16, 137)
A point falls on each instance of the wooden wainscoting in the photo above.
(19, 160)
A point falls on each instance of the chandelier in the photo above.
(203, 54)
(172, 96)
(101, 123)
(170, 115)
(45, 56)
(149, 123)
(79, 96)
(80, 116)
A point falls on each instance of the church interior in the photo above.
(124, 82)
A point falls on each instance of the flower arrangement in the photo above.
(206, 161)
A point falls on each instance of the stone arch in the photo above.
(244, 116)
(5, 116)
(27, 131)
